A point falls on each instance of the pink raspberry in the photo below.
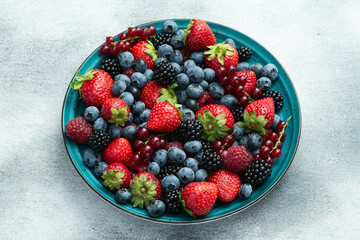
(79, 130)
(237, 159)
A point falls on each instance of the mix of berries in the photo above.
(176, 121)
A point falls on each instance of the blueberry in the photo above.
(176, 155)
(91, 158)
(230, 41)
(188, 64)
(181, 96)
(239, 132)
(129, 133)
(156, 208)
(126, 60)
(257, 151)
(149, 74)
(204, 84)
(160, 157)
(216, 90)
(192, 104)
(193, 147)
(138, 107)
(194, 90)
(100, 124)
(186, 175)
(176, 42)
(200, 175)
(135, 92)
(165, 51)
(243, 66)
(209, 75)
(198, 57)
(140, 65)
(124, 78)
(192, 163)
(270, 71)
(138, 79)
(236, 143)
(137, 120)
(182, 80)
(91, 113)
(177, 67)
(153, 168)
(128, 98)
(177, 57)
(255, 141)
(169, 26)
(118, 87)
(275, 123)
(264, 83)
(114, 132)
(170, 183)
(100, 168)
(123, 195)
(130, 120)
(244, 141)
(195, 74)
(245, 191)
(228, 101)
(188, 114)
(179, 32)
(257, 68)
(145, 115)
(143, 124)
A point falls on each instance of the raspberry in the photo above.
(177, 144)
(237, 159)
(79, 130)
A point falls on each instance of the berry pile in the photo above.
(176, 121)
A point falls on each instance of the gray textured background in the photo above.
(43, 43)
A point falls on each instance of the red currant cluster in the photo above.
(127, 40)
(220, 146)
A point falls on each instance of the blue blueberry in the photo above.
(255, 141)
(100, 124)
(257, 68)
(275, 123)
(177, 67)
(124, 78)
(195, 74)
(228, 101)
(200, 175)
(239, 132)
(123, 195)
(128, 98)
(209, 75)
(145, 115)
(170, 183)
(137, 120)
(134, 91)
(138, 107)
(186, 175)
(181, 96)
(179, 32)
(182, 80)
(176, 41)
(193, 147)
(192, 163)
(130, 120)
(129, 133)
(216, 90)
(138, 79)
(188, 114)
(149, 74)
(118, 87)
(198, 57)
(91, 113)
(160, 157)
(156, 208)
(159, 60)
(153, 168)
(165, 51)
(140, 65)
(204, 84)
(126, 60)
(257, 151)
(270, 71)
(192, 104)
(91, 158)
(177, 57)
(244, 141)
(114, 132)
(231, 42)
(143, 124)
(236, 143)
(188, 64)
(194, 90)
(176, 155)
(245, 191)
(243, 66)
(169, 26)
(264, 83)
(100, 168)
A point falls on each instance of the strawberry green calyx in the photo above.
(219, 50)
(151, 51)
(253, 123)
(168, 95)
(113, 179)
(81, 79)
(213, 127)
(119, 116)
(187, 31)
(184, 205)
(143, 191)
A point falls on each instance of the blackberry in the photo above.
(99, 140)
(160, 39)
(189, 130)
(172, 202)
(237, 112)
(244, 53)
(277, 97)
(169, 169)
(164, 73)
(257, 173)
(111, 66)
(209, 159)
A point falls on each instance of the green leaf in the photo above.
(114, 111)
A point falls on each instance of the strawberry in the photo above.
(217, 120)
(116, 176)
(150, 93)
(95, 86)
(116, 111)
(198, 198)
(221, 55)
(79, 130)
(198, 35)
(118, 151)
(144, 187)
(146, 51)
(251, 80)
(237, 158)
(164, 117)
(228, 184)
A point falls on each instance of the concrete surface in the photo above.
(43, 43)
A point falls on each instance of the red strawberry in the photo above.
(164, 117)
(198, 198)
(217, 120)
(150, 93)
(116, 176)
(118, 151)
(228, 184)
(95, 87)
(221, 55)
(79, 130)
(116, 111)
(129, 72)
(198, 35)
(251, 80)
(144, 187)
(237, 158)
(146, 51)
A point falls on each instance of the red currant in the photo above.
(221, 72)
(146, 151)
(110, 41)
(231, 70)
(114, 51)
(228, 141)
(234, 81)
(279, 146)
(243, 100)
(224, 81)
(256, 93)
(256, 157)
(104, 50)
(155, 142)
(281, 125)
(123, 36)
(162, 143)
(120, 46)
(143, 133)
(268, 143)
(137, 31)
(136, 158)
(127, 46)
(219, 152)
(137, 144)
(131, 32)
(283, 137)
(239, 91)
(228, 89)
(217, 145)
(146, 161)
(276, 153)
(145, 33)
(266, 135)
(269, 160)
(273, 137)
(243, 80)
(264, 151)
(152, 30)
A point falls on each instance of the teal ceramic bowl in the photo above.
(73, 107)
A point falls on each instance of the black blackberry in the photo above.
(244, 53)
(257, 173)
(171, 137)
(277, 97)
(209, 159)
(164, 73)
(99, 140)
(172, 202)
(172, 168)
(237, 112)
(111, 66)
(189, 130)
(160, 39)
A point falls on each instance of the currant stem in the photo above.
(250, 98)
(223, 146)
(281, 133)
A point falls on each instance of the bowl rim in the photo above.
(199, 220)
